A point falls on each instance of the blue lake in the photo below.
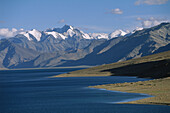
(31, 91)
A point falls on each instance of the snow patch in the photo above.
(36, 34)
(56, 35)
(62, 36)
(71, 27)
(99, 35)
(86, 36)
(117, 33)
(70, 32)
(137, 29)
(26, 35)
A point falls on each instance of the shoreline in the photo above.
(154, 66)
(158, 89)
(155, 99)
(43, 68)
(126, 100)
(81, 75)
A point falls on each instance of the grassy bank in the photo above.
(159, 88)
(152, 66)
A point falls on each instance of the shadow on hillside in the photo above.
(154, 69)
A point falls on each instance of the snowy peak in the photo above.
(64, 32)
(99, 35)
(27, 35)
(67, 27)
(117, 33)
(68, 31)
(56, 34)
(137, 29)
(85, 35)
(36, 34)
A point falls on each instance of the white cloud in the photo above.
(6, 33)
(147, 23)
(14, 30)
(150, 2)
(21, 29)
(61, 21)
(116, 11)
(151, 21)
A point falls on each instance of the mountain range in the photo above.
(69, 46)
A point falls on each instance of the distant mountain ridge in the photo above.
(69, 46)
(151, 66)
(67, 31)
(141, 43)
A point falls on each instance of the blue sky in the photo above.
(88, 15)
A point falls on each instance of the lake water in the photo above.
(31, 91)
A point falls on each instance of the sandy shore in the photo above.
(159, 88)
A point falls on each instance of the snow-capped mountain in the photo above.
(65, 32)
(117, 33)
(35, 33)
(99, 35)
(70, 46)
(137, 29)
(68, 31)
(114, 34)
(141, 43)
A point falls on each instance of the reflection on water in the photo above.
(32, 92)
